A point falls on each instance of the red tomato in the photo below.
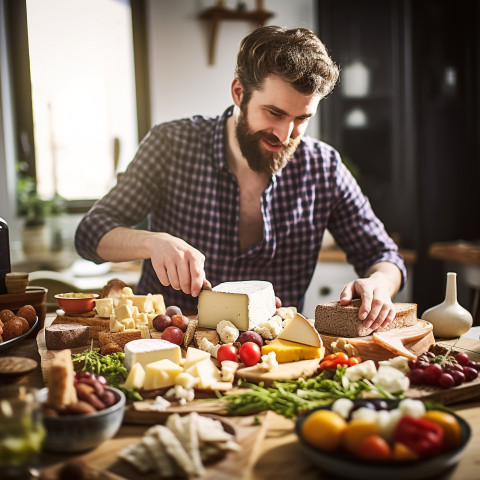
(227, 352)
(354, 361)
(250, 353)
(327, 364)
(373, 447)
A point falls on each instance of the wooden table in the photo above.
(278, 456)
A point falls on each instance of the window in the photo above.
(78, 112)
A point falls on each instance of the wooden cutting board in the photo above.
(233, 466)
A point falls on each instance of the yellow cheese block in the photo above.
(136, 377)
(287, 351)
(161, 374)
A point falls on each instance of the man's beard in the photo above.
(260, 159)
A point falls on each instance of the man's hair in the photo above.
(297, 56)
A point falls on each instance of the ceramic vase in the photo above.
(449, 318)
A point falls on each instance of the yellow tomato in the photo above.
(323, 429)
(452, 434)
(355, 431)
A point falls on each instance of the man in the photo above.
(245, 196)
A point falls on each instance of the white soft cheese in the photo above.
(149, 350)
(246, 304)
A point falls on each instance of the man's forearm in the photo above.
(123, 244)
(390, 275)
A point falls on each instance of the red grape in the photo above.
(173, 334)
(462, 358)
(180, 321)
(473, 364)
(432, 372)
(445, 380)
(458, 377)
(417, 376)
(161, 322)
(470, 373)
(173, 310)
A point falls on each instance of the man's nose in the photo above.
(283, 131)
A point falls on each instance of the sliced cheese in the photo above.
(193, 356)
(287, 351)
(136, 377)
(300, 330)
(104, 307)
(161, 374)
(206, 372)
(148, 350)
(246, 304)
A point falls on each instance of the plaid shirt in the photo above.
(180, 179)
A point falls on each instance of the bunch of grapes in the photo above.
(445, 371)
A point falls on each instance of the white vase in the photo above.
(449, 318)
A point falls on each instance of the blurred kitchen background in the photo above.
(81, 82)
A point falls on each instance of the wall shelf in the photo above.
(217, 14)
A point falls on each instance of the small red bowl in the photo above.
(72, 303)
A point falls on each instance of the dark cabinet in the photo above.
(406, 118)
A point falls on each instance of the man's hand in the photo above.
(376, 292)
(177, 263)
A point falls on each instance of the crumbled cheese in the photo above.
(268, 361)
(390, 379)
(286, 313)
(271, 328)
(180, 393)
(400, 363)
(361, 371)
(229, 368)
(227, 331)
(207, 346)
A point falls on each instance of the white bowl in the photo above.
(76, 433)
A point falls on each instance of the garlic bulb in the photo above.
(449, 318)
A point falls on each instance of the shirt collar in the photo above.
(219, 139)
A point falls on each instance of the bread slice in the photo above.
(342, 320)
(61, 390)
(95, 324)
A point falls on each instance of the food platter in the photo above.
(14, 341)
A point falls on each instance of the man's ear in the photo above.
(237, 92)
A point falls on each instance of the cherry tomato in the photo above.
(353, 361)
(227, 352)
(336, 356)
(250, 353)
(373, 447)
(327, 364)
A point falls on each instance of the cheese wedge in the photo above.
(300, 330)
(287, 351)
(193, 356)
(116, 326)
(136, 377)
(148, 350)
(245, 304)
(206, 372)
(161, 374)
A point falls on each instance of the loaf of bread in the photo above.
(342, 320)
(61, 390)
(62, 336)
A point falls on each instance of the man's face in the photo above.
(272, 123)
